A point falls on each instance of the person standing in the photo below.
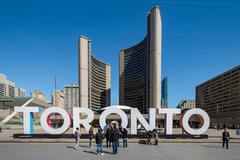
(155, 136)
(225, 138)
(114, 138)
(124, 136)
(108, 137)
(149, 137)
(0, 129)
(77, 137)
(90, 136)
(105, 128)
(120, 129)
(99, 138)
(119, 133)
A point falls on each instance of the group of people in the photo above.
(152, 135)
(111, 132)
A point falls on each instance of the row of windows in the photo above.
(98, 78)
(98, 63)
(97, 83)
(98, 70)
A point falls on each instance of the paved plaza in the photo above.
(65, 151)
(215, 136)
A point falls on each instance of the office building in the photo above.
(164, 100)
(38, 95)
(7, 87)
(20, 92)
(220, 98)
(71, 97)
(140, 68)
(58, 98)
(94, 78)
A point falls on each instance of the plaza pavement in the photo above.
(65, 151)
(214, 137)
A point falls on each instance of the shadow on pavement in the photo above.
(91, 152)
(73, 147)
(212, 146)
(70, 147)
(107, 152)
(84, 146)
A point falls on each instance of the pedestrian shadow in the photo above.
(107, 152)
(84, 146)
(207, 146)
(71, 147)
(90, 152)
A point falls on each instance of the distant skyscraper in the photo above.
(58, 98)
(38, 95)
(140, 68)
(7, 87)
(20, 92)
(164, 100)
(71, 97)
(94, 78)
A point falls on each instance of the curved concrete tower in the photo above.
(83, 54)
(155, 33)
(140, 68)
(94, 78)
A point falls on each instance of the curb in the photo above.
(130, 141)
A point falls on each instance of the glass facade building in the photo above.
(140, 68)
(164, 100)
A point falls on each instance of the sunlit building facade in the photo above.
(94, 78)
(220, 98)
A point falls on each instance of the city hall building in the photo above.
(220, 98)
(94, 78)
(140, 68)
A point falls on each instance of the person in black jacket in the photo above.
(108, 137)
(99, 139)
(114, 138)
(225, 138)
(91, 134)
(149, 137)
(124, 136)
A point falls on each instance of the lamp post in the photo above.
(218, 116)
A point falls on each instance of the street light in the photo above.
(218, 106)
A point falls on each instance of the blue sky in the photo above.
(38, 40)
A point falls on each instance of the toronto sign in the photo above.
(135, 118)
